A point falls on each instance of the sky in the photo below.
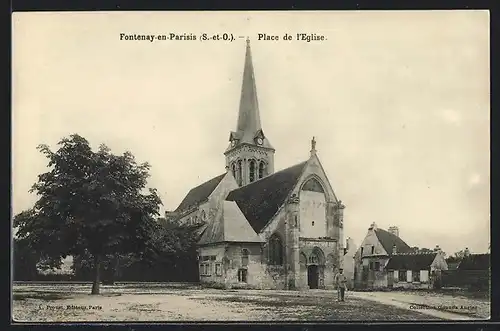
(398, 103)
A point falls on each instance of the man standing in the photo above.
(341, 283)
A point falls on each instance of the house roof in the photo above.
(228, 225)
(475, 262)
(199, 193)
(388, 240)
(416, 261)
(260, 200)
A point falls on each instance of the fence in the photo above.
(470, 279)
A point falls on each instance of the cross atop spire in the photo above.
(313, 146)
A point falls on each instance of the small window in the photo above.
(213, 257)
(296, 221)
(415, 276)
(242, 275)
(377, 266)
(312, 223)
(373, 249)
(361, 251)
(402, 275)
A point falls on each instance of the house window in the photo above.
(312, 223)
(218, 269)
(252, 171)
(376, 266)
(244, 257)
(373, 249)
(402, 275)
(242, 275)
(261, 169)
(205, 269)
(361, 251)
(415, 276)
(275, 250)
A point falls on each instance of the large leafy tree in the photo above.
(92, 203)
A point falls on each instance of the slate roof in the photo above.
(475, 262)
(260, 200)
(416, 261)
(228, 225)
(200, 193)
(388, 240)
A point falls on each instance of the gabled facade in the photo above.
(265, 229)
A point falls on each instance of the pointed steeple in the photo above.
(249, 128)
(249, 164)
(248, 117)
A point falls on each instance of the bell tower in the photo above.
(249, 155)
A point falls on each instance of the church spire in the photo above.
(249, 156)
(248, 117)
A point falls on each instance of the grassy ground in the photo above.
(160, 302)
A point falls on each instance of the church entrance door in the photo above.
(312, 276)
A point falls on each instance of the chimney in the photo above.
(466, 251)
(394, 230)
(373, 226)
(437, 249)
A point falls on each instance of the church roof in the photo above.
(388, 240)
(229, 225)
(200, 193)
(415, 261)
(260, 200)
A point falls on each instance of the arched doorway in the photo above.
(315, 269)
(313, 276)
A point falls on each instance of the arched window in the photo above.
(252, 171)
(313, 185)
(239, 177)
(244, 257)
(316, 257)
(313, 259)
(261, 169)
(275, 250)
(233, 169)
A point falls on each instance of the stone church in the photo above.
(261, 228)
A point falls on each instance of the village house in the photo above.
(415, 270)
(261, 228)
(384, 260)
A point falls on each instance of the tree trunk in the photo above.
(97, 274)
